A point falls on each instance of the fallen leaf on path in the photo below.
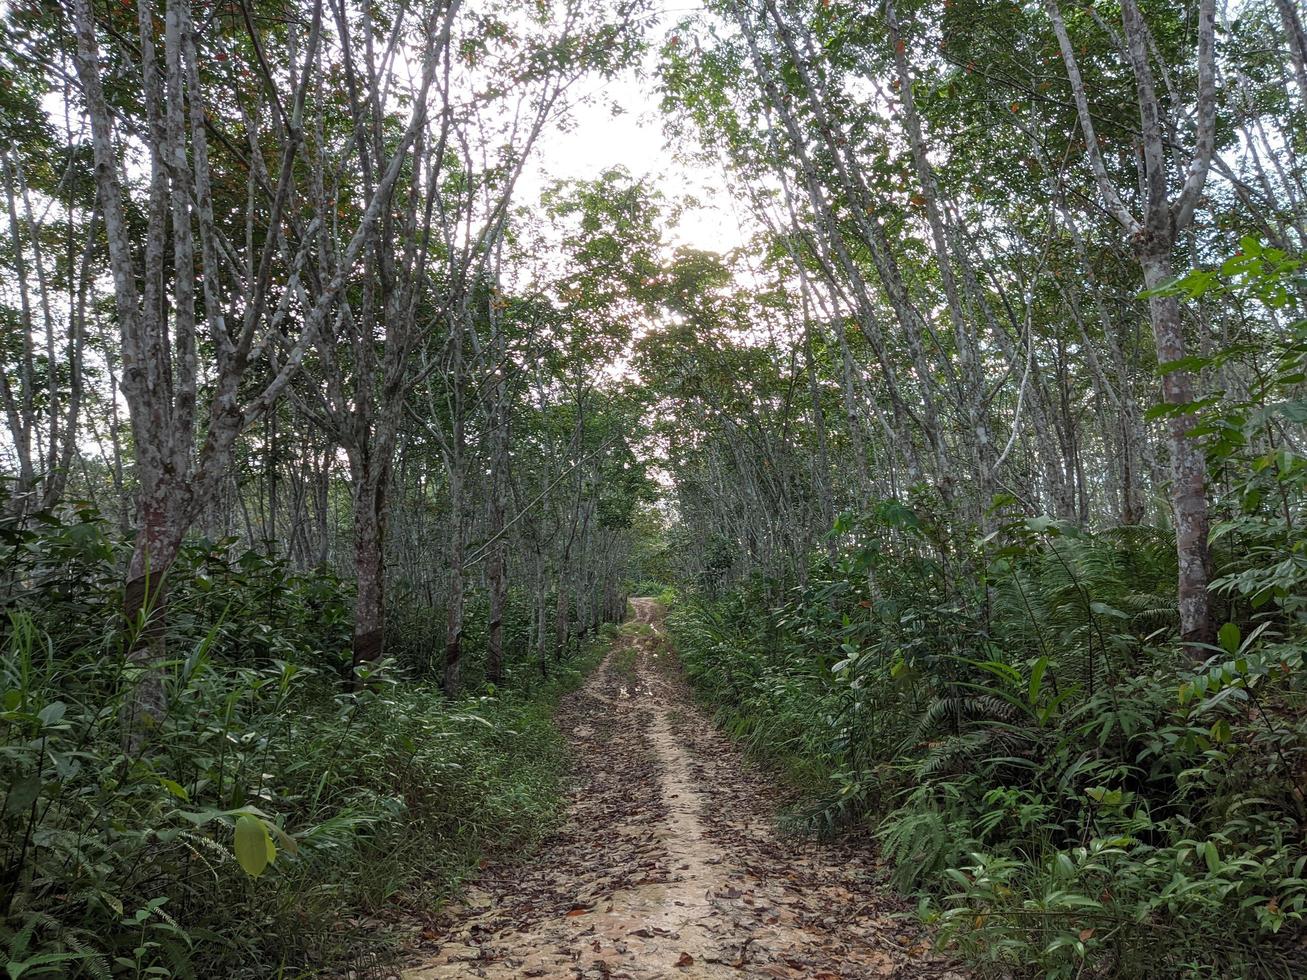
(661, 799)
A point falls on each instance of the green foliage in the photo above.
(1067, 791)
(269, 808)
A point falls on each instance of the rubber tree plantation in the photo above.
(596, 488)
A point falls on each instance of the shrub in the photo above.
(271, 809)
(1068, 793)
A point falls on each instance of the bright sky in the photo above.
(634, 139)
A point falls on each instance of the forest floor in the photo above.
(669, 863)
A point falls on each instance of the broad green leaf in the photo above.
(16, 969)
(288, 843)
(52, 713)
(23, 794)
(1212, 856)
(252, 845)
(1191, 363)
(1103, 609)
(1229, 637)
(175, 788)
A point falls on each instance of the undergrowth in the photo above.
(1068, 794)
(356, 803)
(1068, 790)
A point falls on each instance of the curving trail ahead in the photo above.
(668, 864)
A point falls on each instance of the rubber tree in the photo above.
(1166, 211)
(202, 300)
(357, 388)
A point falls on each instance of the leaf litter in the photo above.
(669, 864)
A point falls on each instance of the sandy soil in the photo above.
(669, 864)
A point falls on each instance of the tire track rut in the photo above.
(668, 864)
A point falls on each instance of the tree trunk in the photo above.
(495, 571)
(821, 473)
(454, 610)
(562, 610)
(1297, 41)
(370, 573)
(541, 615)
(1188, 465)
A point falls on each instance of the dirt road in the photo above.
(669, 864)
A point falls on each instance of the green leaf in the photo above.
(1037, 678)
(1212, 856)
(253, 846)
(1229, 637)
(175, 788)
(1103, 609)
(23, 794)
(1193, 362)
(1039, 524)
(288, 843)
(1165, 410)
(1295, 411)
(16, 969)
(52, 713)
(1001, 500)
(1237, 264)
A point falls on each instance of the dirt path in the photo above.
(668, 865)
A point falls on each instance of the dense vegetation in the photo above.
(989, 513)
(334, 435)
(124, 864)
(1063, 788)
(307, 515)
